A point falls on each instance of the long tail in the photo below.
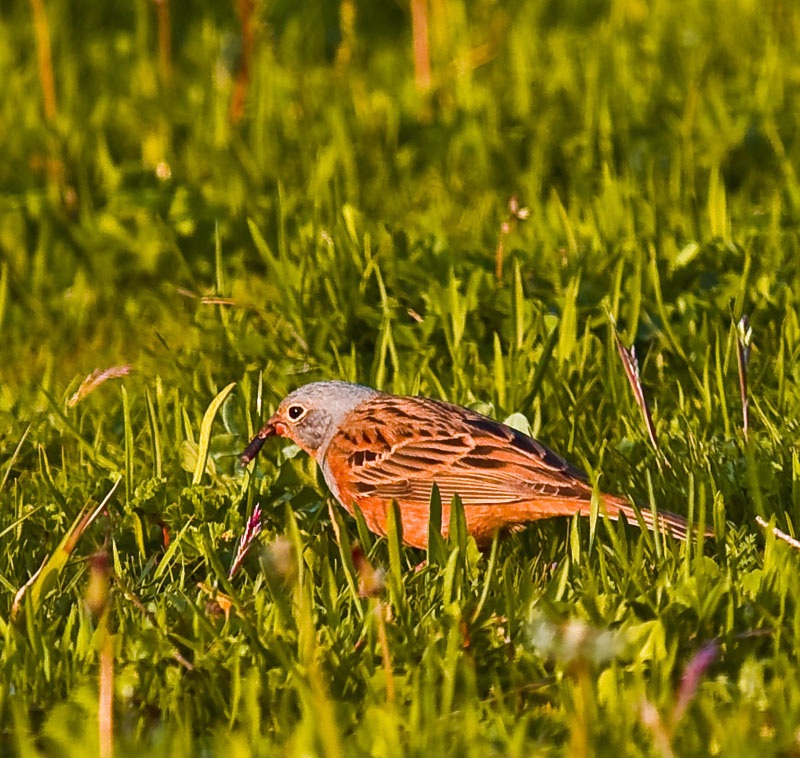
(669, 523)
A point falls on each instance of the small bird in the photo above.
(374, 447)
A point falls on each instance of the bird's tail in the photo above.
(670, 523)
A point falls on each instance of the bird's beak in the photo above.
(251, 451)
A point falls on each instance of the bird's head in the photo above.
(310, 416)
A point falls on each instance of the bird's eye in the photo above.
(296, 412)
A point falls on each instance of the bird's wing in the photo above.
(396, 448)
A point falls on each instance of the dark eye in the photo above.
(295, 412)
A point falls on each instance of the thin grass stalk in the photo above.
(246, 12)
(97, 597)
(41, 30)
(631, 365)
(744, 338)
(421, 44)
(164, 23)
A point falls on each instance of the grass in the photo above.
(345, 223)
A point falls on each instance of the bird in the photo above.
(374, 447)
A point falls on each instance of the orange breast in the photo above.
(482, 521)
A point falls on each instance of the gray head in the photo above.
(310, 416)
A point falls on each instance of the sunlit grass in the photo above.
(346, 225)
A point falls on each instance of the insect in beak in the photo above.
(251, 451)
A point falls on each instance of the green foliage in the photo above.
(347, 226)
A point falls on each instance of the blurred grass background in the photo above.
(272, 193)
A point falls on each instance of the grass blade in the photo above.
(53, 565)
(205, 432)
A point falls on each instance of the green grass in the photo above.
(346, 227)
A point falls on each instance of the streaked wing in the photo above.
(397, 447)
